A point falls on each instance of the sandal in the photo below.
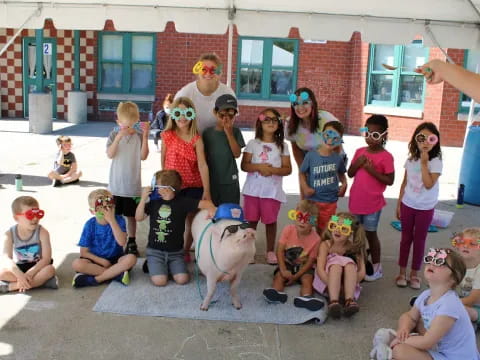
(351, 307)
(334, 309)
(415, 283)
(401, 281)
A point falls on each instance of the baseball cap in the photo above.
(229, 211)
(226, 101)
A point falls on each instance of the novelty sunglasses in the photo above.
(232, 229)
(459, 241)
(304, 99)
(375, 135)
(345, 228)
(33, 213)
(177, 113)
(437, 257)
(431, 139)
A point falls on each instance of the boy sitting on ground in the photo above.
(65, 168)
(168, 211)
(101, 245)
(26, 262)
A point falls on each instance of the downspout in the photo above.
(231, 15)
(37, 12)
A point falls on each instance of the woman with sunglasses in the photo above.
(372, 169)
(304, 127)
(26, 261)
(183, 150)
(443, 328)
(205, 89)
(417, 199)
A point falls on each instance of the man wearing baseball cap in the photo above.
(223, 144)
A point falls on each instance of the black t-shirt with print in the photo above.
(167, 222)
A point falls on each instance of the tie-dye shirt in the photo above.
(306, 140)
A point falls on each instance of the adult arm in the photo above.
(298, 154)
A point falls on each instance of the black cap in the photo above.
(226, 101)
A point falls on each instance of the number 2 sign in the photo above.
(47, 48)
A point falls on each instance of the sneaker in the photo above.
(123, 278)
(274, 296)
(272, 258)
(132, 248)
(308, 302)
(51, 283)
(3, 287)
(376, 275)
(145, 267)
(56, 183)
(82, 280)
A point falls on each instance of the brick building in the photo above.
(144, 67)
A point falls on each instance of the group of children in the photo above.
(323, 250)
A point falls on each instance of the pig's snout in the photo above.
(250, 233)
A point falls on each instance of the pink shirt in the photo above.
(309, 244)
(366, 193)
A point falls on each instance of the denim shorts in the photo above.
(370, 221)
(165, 262)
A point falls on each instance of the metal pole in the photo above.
(39, 57)
(76, 64)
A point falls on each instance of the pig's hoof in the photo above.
(237, 305)
(203, 308)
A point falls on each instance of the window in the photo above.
(470, 62)
(400, 87)
(267, 68)
(126, 63)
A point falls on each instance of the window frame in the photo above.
(395, 102)
(267, 68)
(127, 63)
(461, 108)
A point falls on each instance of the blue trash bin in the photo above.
(470, 170)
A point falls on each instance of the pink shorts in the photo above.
(334, 259)
(261, 209)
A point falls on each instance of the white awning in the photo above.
(455, 23)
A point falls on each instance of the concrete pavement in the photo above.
(49, 324)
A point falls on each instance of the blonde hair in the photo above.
(308, 206)
(128, 111)
(63, 139)
(172, 125)
(169, 178)
(95, 194)
(23, 201)
(210, 57)
(359, 239)
(473, 232)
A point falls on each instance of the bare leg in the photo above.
(85, 266)
(211, 286)
(278, 282)
(181, 279)
(374, 245)
(131, 226)
(253, 224)
(39, 279)
(271, 230)
(306, 288)
(74, 177)
(349, 280)
(159, 280)
(407, 352)
(334, 281)
(126, 262)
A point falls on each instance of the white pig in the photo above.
(233, 248)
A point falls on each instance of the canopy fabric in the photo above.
(454, 23)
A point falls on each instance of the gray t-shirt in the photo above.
(125, 173)
(26, 251)
(204, 105)
(64, 163)
(322, 175)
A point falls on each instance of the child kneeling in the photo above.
(168, 211)
(296, 252)
(101, 245)
(26, 262)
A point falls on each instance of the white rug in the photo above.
(183, 301)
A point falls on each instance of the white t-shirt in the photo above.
(470, 282)
(204, 105)
(416, 195)
(265, 186)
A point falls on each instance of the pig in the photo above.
(232, 252)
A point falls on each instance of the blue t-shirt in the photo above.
(459, 342)
(99, 239)
(322, 175)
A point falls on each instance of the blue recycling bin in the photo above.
(470, 170)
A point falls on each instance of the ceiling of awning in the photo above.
(454, 23)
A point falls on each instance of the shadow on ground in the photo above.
(33, 180)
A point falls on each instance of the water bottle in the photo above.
(18, 182)
(461, 192)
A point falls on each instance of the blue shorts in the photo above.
(370, 221)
